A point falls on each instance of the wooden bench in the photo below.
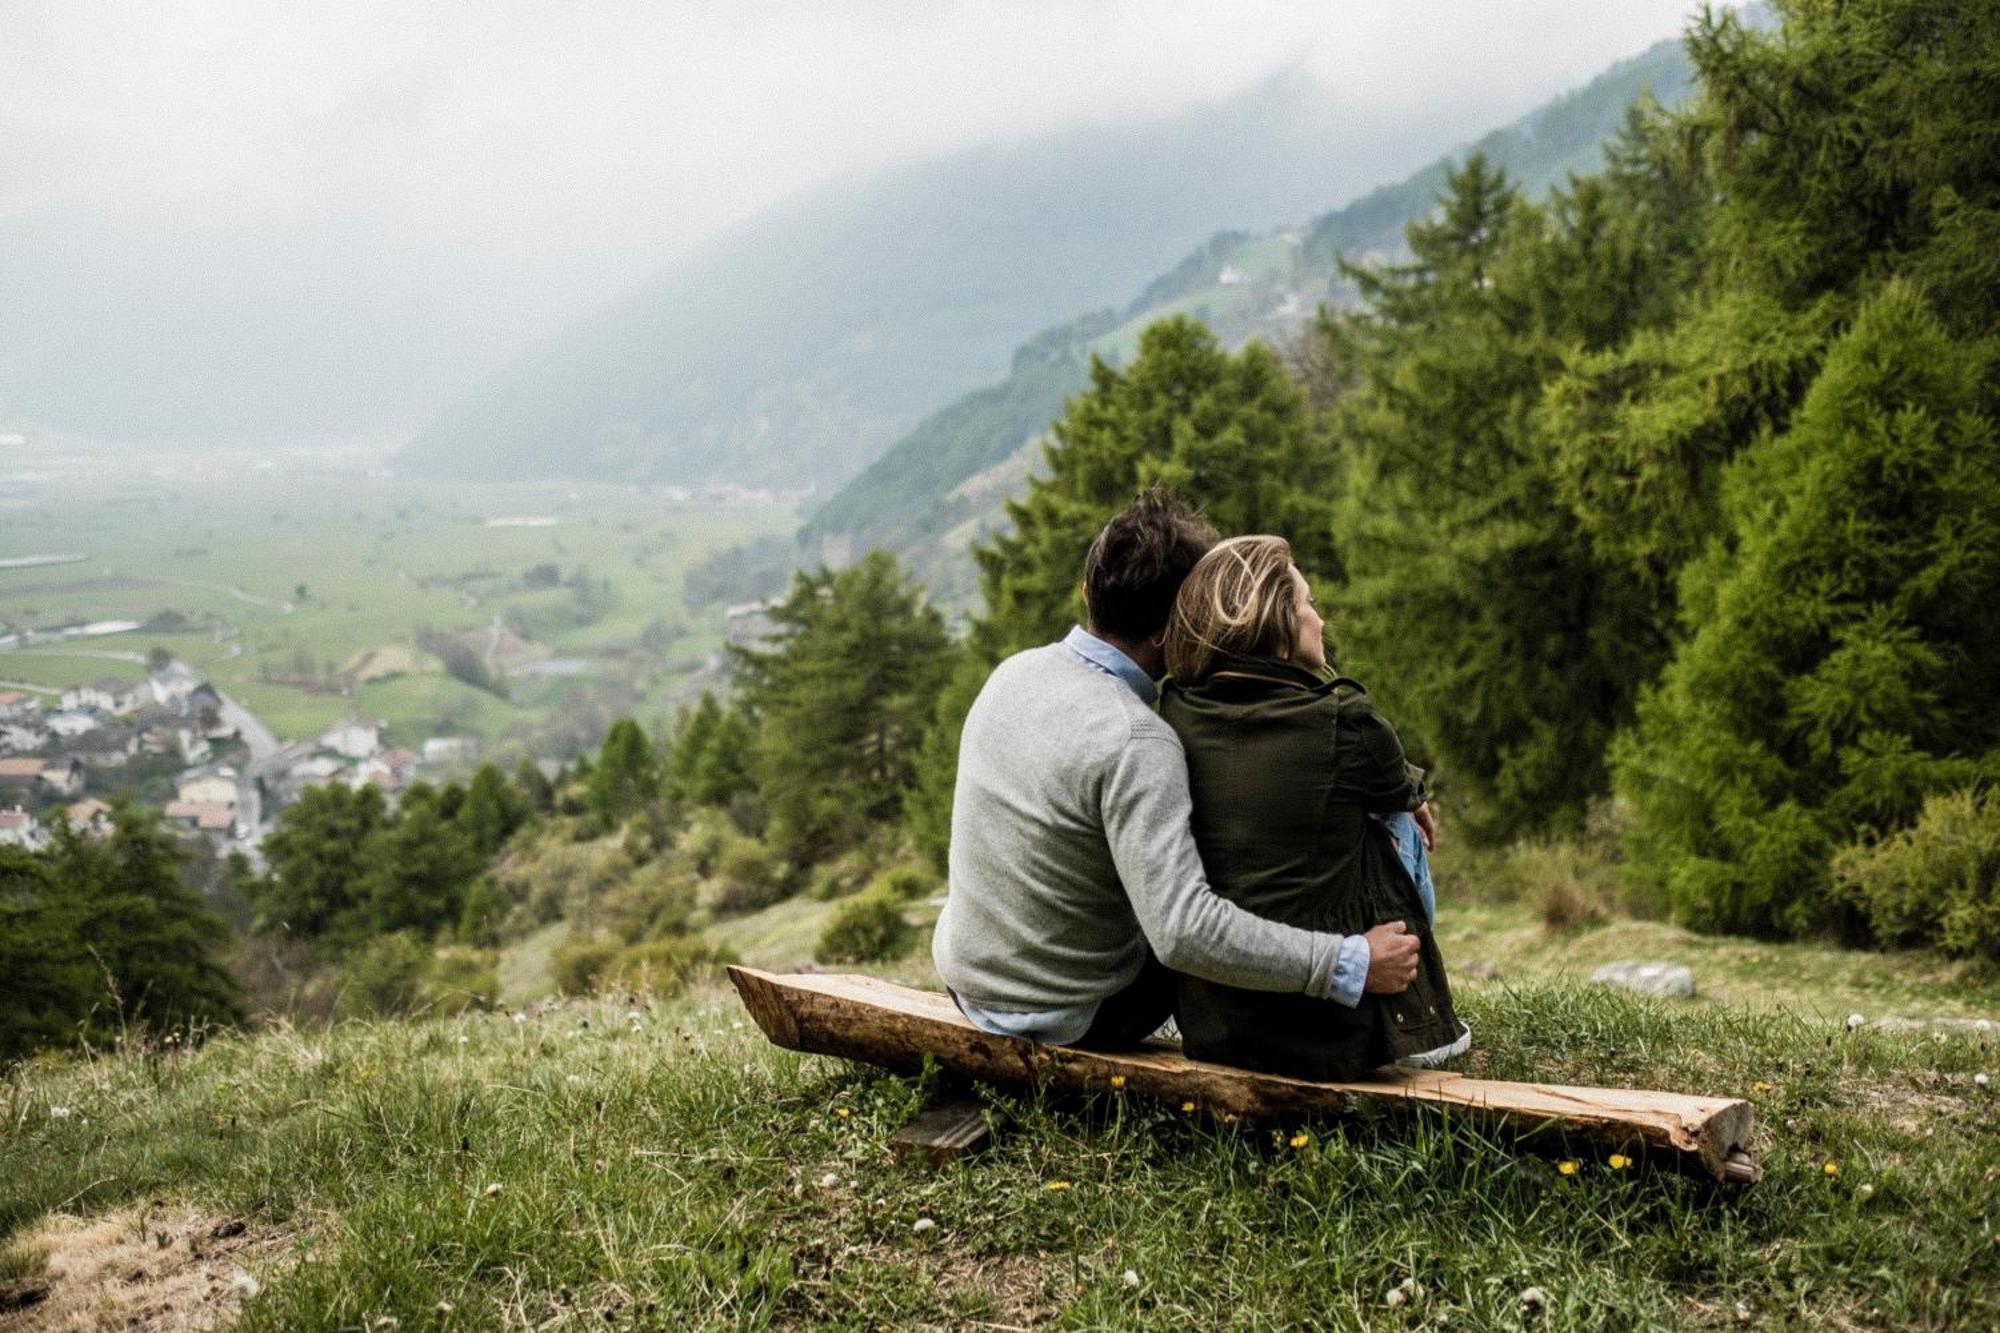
(863, 1018)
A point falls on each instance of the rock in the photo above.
(1647, 978)
(1479, 969)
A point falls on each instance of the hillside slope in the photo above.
(797, 348)
(943, 484)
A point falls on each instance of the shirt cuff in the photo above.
(1350, 971)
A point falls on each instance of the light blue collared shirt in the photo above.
(1112, 662)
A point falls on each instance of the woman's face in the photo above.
(1310, 650)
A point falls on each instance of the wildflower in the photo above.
(1761, 1086)
(1533, 1300)
(923, 1224)
(1056, 1186)
(1230, 1118)
(1187, 1108)
(462, 1039)
(62, 1112)
(443, 1307)
(492, 1189)
(1831, 1168)
(1979, 1080)
(1865, 1191)
(1396, 1298)
(519, 1018)
(1619, 1161)
(1568, 1167)
(842, 1112)
(1854, 1021)
(1129, 1278)
(1301, 1140)
(1117, 1081)
(244, 1283)
(828, 1181)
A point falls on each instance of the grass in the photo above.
(581, 1166)
(379, 558)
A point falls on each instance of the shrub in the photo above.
(745, 876)
(903, 884)
(579, 961)
(462, 978)
(385, 976)
(661, 966)
(1936, 882)
(867, 928)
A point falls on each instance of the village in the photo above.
(174, 742)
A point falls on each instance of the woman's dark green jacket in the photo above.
(1286, 770)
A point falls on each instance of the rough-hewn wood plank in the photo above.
(946, 1132)
(864, 1018)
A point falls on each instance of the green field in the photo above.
(283, 578)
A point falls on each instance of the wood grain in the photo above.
(863, 1018)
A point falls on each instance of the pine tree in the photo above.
(52, 984)
(709, 762)
(316, 858)
(492, 811)
(626, 776)
(418, 869)
(1475, 608)
(1841, 663)
(841, 703)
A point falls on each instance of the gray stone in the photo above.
(1647, 977)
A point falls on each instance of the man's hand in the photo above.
(1427, 824)
(1392, 959)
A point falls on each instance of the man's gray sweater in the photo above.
(1070, 840)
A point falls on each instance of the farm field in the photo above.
(316, 587)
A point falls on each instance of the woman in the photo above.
(1296, 780)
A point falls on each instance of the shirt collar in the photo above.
(1112, 662)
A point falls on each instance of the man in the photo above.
(1075, 883)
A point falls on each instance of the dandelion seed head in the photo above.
(1854, 1021)
(1534, 1298)
(1129, 1278)
(1979, 1080)
(1396, 1299)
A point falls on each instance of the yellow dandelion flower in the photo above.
(1619, 1161)
(1567, 1167)
(1301, 1140)
(1187, 1107)
(1761, 1086)
(842, 1112)
(1056, 1186)
(1117, 1080)
(1831, 1168)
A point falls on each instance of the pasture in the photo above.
(304, 589)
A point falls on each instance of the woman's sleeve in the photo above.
(1369, 767)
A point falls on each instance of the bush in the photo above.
(867, 928)
(661, 966)
(745, 875)
(903, 884)
(385, 976)
(579, 961)
(1936, 882)
(462, 978)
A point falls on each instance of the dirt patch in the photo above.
(152, 1267)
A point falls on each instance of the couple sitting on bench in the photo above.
(1248, 859)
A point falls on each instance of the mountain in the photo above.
(794, 350)
(942, 486)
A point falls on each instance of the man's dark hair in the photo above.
(1139, 561)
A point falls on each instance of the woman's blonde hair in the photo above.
(1240, 598)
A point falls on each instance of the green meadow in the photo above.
(278, 584)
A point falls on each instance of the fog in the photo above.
(412, 193)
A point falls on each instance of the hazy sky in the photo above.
(540, 159)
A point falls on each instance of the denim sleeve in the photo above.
(1350, 971)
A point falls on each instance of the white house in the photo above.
(357, 737)
(173, 682)
(70, 723)
(114, 697)
(443, 750)
(215, 786)
(20, 736)
(18, 828)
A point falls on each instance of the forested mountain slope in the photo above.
(797, 348)
(943, 484)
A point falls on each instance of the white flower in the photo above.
(244, 1283)
(828, 1181)
(1396, 1299)
(62, 1112)
(1854, 1021)
(1979, 1080)
(443, 1307)
(520, 1018)
(923, 1224)
(1534, 1299)
(462, 1039)
(492, 1189)
(1129, 1278)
